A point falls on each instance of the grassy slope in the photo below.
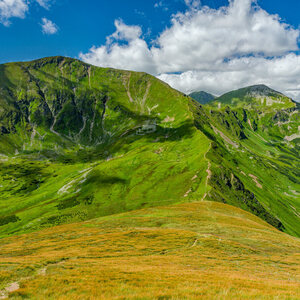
(64, 177)
(266, 163)
(186, 251)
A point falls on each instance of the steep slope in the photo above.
(265, 139)
(202, 97)
(79, 142)
(201, 250)
(72, 102)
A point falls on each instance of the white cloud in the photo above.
(201, 37)
(12, 8)
(17, 9)
(195, 4)
(132, 55)
(213, 49)
(44, 3)
(48, 27)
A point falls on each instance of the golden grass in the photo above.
(188, 251)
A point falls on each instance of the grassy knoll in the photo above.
(186, 251)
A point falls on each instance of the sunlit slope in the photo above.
(187, 251)
(82, 142)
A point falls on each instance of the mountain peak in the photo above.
(262, 89)
(255, 96)
(202, 97)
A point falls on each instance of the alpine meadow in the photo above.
(118, 184)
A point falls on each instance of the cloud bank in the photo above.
(210, 49)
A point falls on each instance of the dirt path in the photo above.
(78, 181)
(209, 173)
(14, 286)
(9, 289)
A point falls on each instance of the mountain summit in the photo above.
(202, 97)
(255, 96)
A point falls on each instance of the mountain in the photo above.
(256, 96)
(79, 142)
(202, 97)
(272, 116)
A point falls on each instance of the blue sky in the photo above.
(71, 28)
(83, 24)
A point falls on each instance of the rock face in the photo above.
(78, 142)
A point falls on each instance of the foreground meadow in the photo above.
(186, 251)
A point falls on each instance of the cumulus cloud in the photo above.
(12, 8)
(17, 9)
(44, 3)
(133, 54)
(212, 49)
(48, 27)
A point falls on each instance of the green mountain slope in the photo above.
(202, 97)
(266, 135)
(79, 142)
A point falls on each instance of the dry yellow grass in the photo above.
(188, 251)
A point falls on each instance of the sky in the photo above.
(210, 45)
